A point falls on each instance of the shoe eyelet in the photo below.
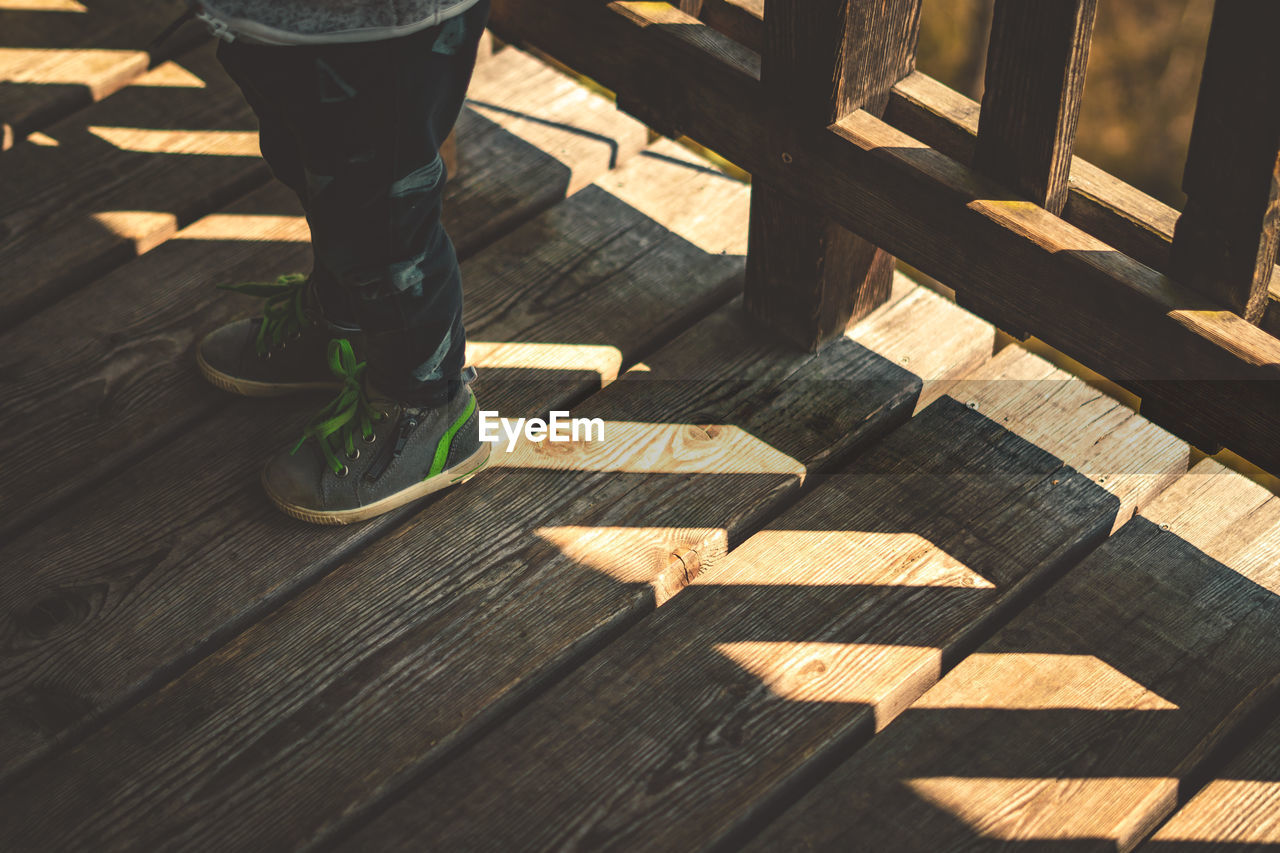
(344, 472)
(353, 455)
(266, 356)
(370, 438)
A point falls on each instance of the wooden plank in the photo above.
(812, 634)
(1238, 809)
(1160, 340)
(483, 596)
(1226, 239)
(123, 383)
(808, 277)
(123, 176)
(1077, 722)
(54, 61)
(188, 526)
(931, 336)
(1031, 102)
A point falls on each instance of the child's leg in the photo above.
(368, 120)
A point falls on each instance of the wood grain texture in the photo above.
(808, 276)
(106, 599)
(1076, 723)
(1031, 101)
(808, 637)
(1204, 367)
(125, 175)
(1226, 239)
(124, 381)
(1238, 809)
(55, 62)
(393, 661)
(934, 338)
(1120, 451)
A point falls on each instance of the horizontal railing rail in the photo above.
(857, 158)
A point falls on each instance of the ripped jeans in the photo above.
(355, 130)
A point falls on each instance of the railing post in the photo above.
(1225, 242)
(808, 277)
(1031, 103)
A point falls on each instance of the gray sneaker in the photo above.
(279, 352)
(364, 454)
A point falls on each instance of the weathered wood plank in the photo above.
(124, 381)
(1031, 102)
(1203, 366)
(169, 557)
(1238, 809)
(124, 176)
(806, 638)
(1098, 436)
(1226, 239)
(55, 61)
(807, 276)
(482, 597)
(1077, 722)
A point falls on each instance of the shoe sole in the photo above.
(460, 473)
(254, 388)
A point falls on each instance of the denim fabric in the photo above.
(355, 130)
(323, 21)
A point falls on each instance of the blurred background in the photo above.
(1140, 92)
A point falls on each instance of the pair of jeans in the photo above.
(355, 130)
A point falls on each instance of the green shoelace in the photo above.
(283, 314)
(334, 426)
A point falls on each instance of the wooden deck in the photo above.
(914, 593)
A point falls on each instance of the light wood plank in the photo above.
(1238, 809)
(1079, 720)
(54, 62)
(931, 336)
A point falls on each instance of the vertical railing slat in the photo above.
(1031, 105)
(1225, 242)
(808, 277)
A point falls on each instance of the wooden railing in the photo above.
(856, 158)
